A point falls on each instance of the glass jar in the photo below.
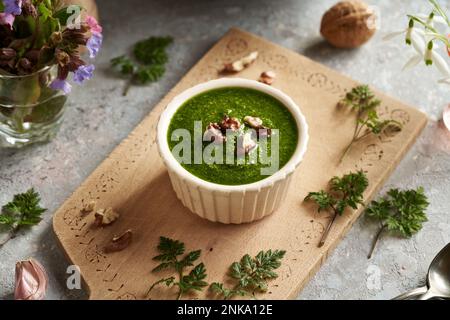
(30, 111)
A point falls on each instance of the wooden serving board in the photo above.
(134, 182)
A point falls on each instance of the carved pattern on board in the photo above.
(401, 116)
(275, 61)
(95, 255)
(117, 288)
(127, 296)
(209, 71)
(73, 218)
(236, 47)
(372, 153)
(107, 181)
(321, 81)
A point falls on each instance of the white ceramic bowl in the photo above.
(225, 203)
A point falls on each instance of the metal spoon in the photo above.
(438, 279)
(412, 294)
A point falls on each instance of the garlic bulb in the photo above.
(31, 280)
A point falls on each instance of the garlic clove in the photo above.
(31, 280)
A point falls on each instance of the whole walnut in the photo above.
(348, 24)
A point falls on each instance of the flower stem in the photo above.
(355, 134)
(327, 231)
(180, 275)
(346, 151)
(375, 241)
(8, 237)
(10, 234)
(127, 87)
(363, 136)
(155, 284)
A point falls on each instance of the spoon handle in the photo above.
(412, 293)
(426, 296)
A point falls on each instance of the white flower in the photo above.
(432, 19)
(418, 43)
(424, 43)
(429, 55)
(441, 64)
(410, 31)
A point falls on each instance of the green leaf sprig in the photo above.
(251, 274)
(400, 211)
(346, 191)
(24, 210)
(170, 258)
(147, 64)
(362, 100)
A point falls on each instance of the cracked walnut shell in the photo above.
(105, 217)
(348, 24)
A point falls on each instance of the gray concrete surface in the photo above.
(98, 118)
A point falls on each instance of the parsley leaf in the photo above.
(220, 289)
(323, 199)
(152, 50)
(400, 211)
(151, 73)
(361, 100)
(24, 210)
(169, 249)
(147, 64)
(194, 280)
(345, 191)
(251, 274)
(123, 64)
(170, 252)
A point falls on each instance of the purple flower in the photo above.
(83, 73)
(13, 7)
(59, 84)
(94, 44)
(6, 19)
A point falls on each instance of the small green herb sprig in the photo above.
(24, 210)
(400, 211)
(251, 274)
(368, 122)
(346, 191)
(147, 64)
(170, 252)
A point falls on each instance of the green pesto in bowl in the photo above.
(211, 106)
